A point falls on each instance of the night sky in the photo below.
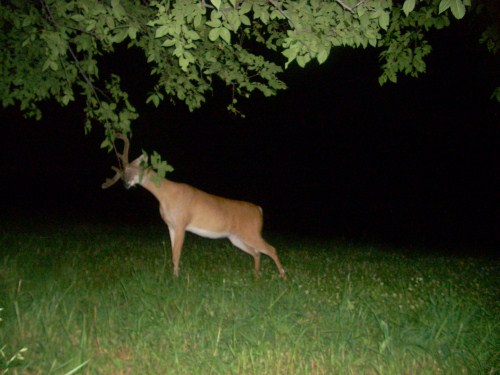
(334, 156)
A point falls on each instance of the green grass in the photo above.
(101, 300)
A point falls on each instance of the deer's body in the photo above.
(185, 208)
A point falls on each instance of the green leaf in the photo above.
(245, 20)
(216, 3)
(27, 21)
(457, 9)
(323, 55)
(214, 23)
(120, 36)
(246, 6)
(155, 98)
(197, 21)
(68, 97)
(444, 5)
(364, 20)
(162, 31)
(233, 19)
(132, 32)
(225, 34)
(408, 6)
(291, 53)
(50, 64)
(159, 165)
(106, 144)
(118, 10)
(383, 21)
(213, 35)
(191, 34)
(302, 60)
(168, 43)
(183, 63)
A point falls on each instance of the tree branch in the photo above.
(350, 8)
(275, 4)
(84, 75)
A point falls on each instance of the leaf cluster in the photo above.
(53, 49)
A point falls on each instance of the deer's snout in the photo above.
(126, 184)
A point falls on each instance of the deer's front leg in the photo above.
(177, 240)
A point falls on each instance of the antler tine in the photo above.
(111, 181)
(122, 159)
(126, 146)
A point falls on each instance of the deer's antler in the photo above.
(122, 162)
(123, 157)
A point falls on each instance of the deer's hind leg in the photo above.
(257, 247)
(261, 246)
(236, 241)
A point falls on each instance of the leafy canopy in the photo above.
(51, 49)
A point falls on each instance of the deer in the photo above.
(185, 208)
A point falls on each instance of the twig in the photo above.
(349, 8)
(72, 53)
(280, 9)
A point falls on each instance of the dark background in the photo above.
(334, 156)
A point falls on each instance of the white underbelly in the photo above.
(206, 233)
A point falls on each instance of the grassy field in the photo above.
(101, 300)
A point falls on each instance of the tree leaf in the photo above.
(191, 33)
(132, 32)
(118, 10)
(383, 21)
(246, 6)
(106, 144)
(213, 35)
(408, 6)
(457, 9)
(225, 34)
(162, 31)
(323, 55)
(245, 20)
(120, 36)
(197, 21)
(155, 98)
(214, 23)
(444, 5)
(216, 3)
(302, 60)
(168, 43)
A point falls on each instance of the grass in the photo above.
(101, 300)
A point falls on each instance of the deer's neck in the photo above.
(155, 185)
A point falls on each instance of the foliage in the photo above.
(53, 49)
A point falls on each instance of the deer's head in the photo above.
(130, 173)
(134, 172)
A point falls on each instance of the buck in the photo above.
(185, 208)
